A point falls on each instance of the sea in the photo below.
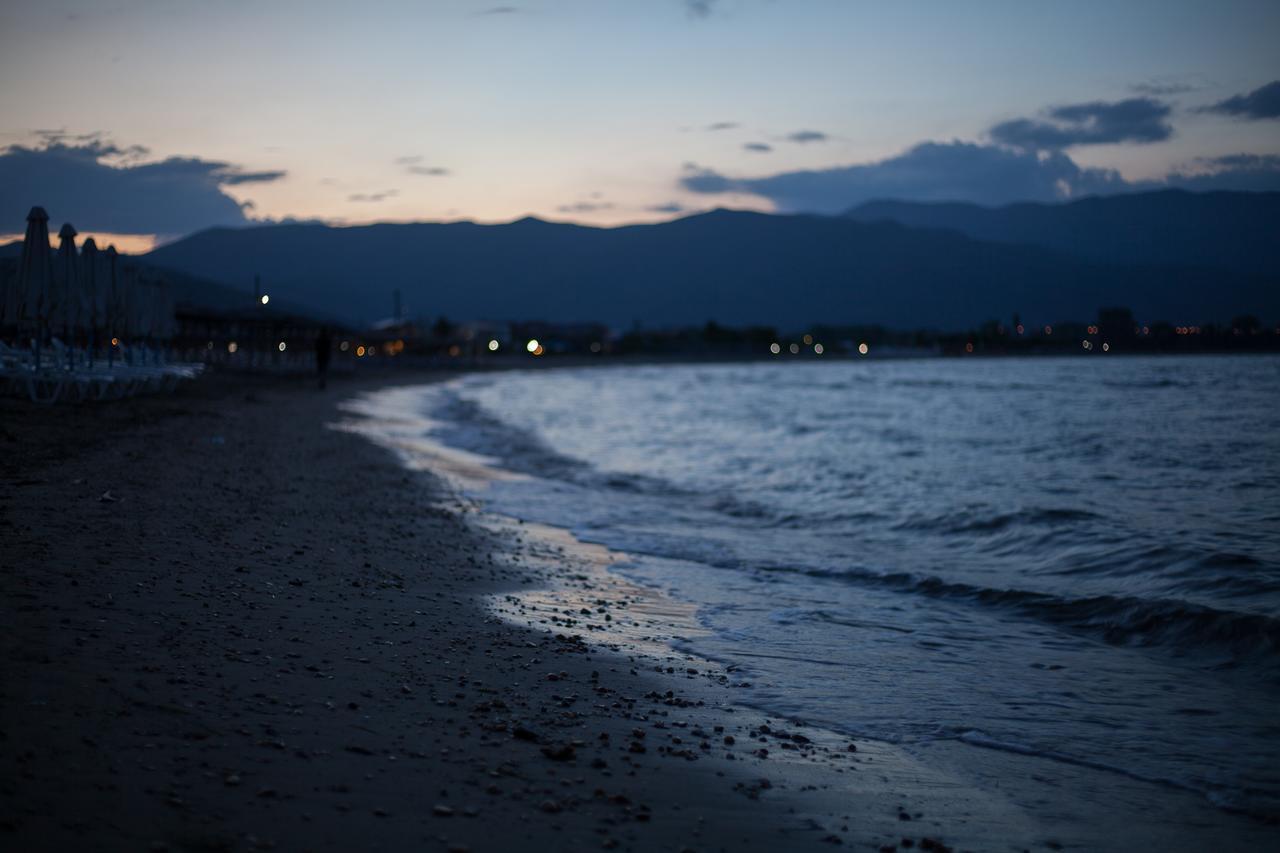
(1074, 559)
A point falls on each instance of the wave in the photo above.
(972, 521)
(1148, 384)
(1117, 620)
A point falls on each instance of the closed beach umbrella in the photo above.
(8, 301)
(64, 306)
(91, 315)
(148, 292)
(111, 316)
(164, 307)
(35, 276)
(130, 293)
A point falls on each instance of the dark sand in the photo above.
(228, 626)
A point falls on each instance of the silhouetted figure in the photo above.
(324, 347)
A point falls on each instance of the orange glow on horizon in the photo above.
(126, 244)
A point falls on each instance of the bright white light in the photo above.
(233, 346)
(281, 346)
(532, 345)
(863, 349)
(265, 299)
(775, 349)
(818, 349)
(493, 346)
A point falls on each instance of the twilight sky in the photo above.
(144, 117)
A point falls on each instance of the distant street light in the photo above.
(265, 299)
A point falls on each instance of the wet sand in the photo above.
(229, 626)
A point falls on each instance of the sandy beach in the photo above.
(234, 628)
(230, 626)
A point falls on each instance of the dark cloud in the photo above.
(1238, 172)
(669, 207)
(699, 8)
(95, 144)
(1093, 123)
(722, 125)
(758, 147)
(803, 136)
(101, 186)
(585, 207)
(373, 197)
(931, 171)
(1262, 103)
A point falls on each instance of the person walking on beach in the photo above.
(324, 347)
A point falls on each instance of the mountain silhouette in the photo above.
(734, 267)
(1227, 230)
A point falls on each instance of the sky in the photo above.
(145, 120)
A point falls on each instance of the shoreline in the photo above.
(221, 639)
(1179, 815)
(236, 628)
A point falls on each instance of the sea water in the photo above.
(1075, 559)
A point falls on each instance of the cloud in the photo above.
(930, 171)
(803, 136)
(1238, 172)
(668, 207)
(983, 174)
(413, 166)
(1094, 123)
(722, 125)
(101, 186)
(499, 10)
(1262, 103)
(373, 197)
(699, 8)
(758, 147)
(585, 207)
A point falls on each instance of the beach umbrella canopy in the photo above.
(35, 273)
(64, 304)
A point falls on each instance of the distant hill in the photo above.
(1227, 230)
(731, 266)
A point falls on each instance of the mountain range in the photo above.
(1171, 255)
(1224, 230)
